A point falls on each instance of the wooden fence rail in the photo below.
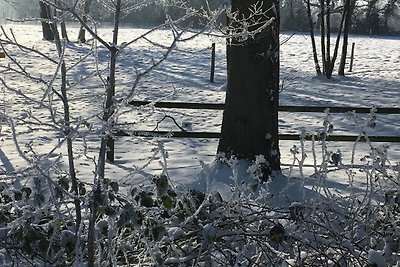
(220, 106)
(182, 134)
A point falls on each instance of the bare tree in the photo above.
(330, 63)
(68, 132)
(328, 58)
(312, 36)
(109, 112)
(348, 8)
(106, 140)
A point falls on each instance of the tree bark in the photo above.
(346, 27)
(250, 119)
(64, 33)
(82, 32)
(331, 64)
(312, 36)
(328, 59)
(322, 25)
(45, 12)
(328, 37)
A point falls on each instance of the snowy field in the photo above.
(184, 76)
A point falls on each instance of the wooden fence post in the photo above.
(352, 57)
(110, 149)
(212, 62)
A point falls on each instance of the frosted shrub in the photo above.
(164, 226)
(259, 224)
(37, 224)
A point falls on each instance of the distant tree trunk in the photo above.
(291, 14)
(390, 10)
(372, 18)
(314, 47)
(64, 33)
(346, 27)
(328, 37)
(328, 60)
(82, 32)
(322, 25)
(250, 119)
(45, 14)
(332, 61)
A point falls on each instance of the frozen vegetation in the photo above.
(168, 201)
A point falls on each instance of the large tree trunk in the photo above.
(45, 15)
(250, 120)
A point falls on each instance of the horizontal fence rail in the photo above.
(182, 105)
(220, 106)
(216, 135)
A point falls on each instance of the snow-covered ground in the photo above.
(184, 76)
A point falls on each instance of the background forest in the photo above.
(368, 17)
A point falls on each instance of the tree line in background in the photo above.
(367, 17)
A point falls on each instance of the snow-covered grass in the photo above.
(327, 188)
(184, 77)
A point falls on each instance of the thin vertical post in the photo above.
(352, 57)
(110, 149)
(212, 62)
